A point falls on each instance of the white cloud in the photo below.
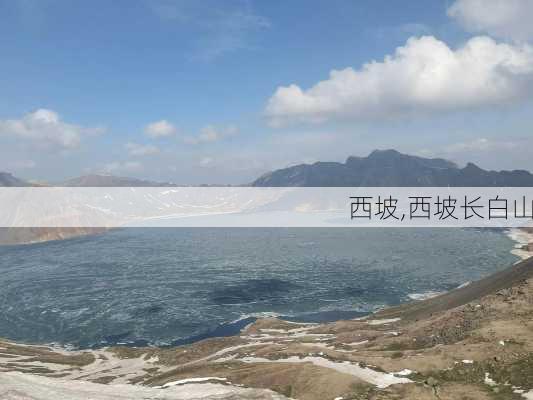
(423, 76)
(511, 19)
(212, 133)
(46, 127)
(209, 134)
(402, 31)
(135, 149)
(482, 144)
(160, 129)
(118, 167)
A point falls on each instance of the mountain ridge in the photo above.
(392, 168)
(98, 180)
(380, 168)
(7, 179)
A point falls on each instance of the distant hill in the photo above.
(110, 181)
(382, 168)
(6, 179)
(392, 168)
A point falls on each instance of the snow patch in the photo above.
(424, 296)
(357, 343)
(193, 380)
(36, 387)
(403, 372)
(488, 380)
(383, 321)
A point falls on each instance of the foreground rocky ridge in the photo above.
(472, 343)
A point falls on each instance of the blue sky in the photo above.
(85, 86)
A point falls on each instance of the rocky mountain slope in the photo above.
(380, 168)
(391, 168)
(93, 180)
(6, 179)
(33, 235)
(12, 236)
(110, 181)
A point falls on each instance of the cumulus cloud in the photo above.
(159, 129)
(135, 149)
(424, 75)
(46, 127)
(510, 19)
(402, 31)
(212, 133)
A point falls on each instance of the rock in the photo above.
(432, 382)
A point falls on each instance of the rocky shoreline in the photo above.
(474, 341)
(524, 242)
(23, 236)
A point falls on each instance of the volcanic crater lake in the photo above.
(177, 285)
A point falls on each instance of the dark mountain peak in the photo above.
(392, 157)
(386, 154)
(6, 175)
(354, 162)
(392, 168)
(388, 158)
(7, 179)
(472, 167)
(521, 172)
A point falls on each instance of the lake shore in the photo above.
(524, 242)
(473, 339)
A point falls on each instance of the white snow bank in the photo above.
(488, 380)
(525, 395)
(383, 321)
(403, 372)
(424, 296)
(193, 380)
(16, 385)
(357, 343)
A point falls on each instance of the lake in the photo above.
(177, 285)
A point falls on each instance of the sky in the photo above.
(210, 91)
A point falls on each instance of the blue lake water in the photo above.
(171, 285)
